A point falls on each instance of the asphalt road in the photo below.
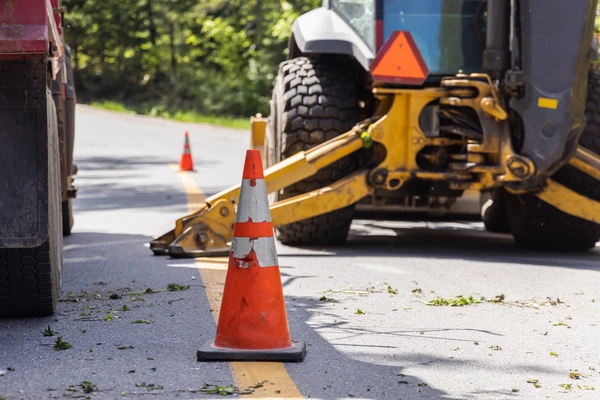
(137, 345)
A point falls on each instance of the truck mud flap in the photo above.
(23, 154)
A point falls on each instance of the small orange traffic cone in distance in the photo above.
(253, 323)
(186, 163)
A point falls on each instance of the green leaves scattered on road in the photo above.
(460, 301)
(359, 312)
(175, 287)
(559, 323)
(48, 331)
(496, 347)
(60, 344)
(141, 321)
(149, 386)
(88, 387)
(171, 287)
(110, 315)
(553, 354)
(392, 291)
(570, 386)
(223, 390)
(325, 298)
(535, 382)
(498, 299)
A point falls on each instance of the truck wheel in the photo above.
(30, 277)
(536, 224)
(493, 211)
(314, 100)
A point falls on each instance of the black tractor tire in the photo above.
(30, 277)
(314, 100)
(536, 224)
(493, 211)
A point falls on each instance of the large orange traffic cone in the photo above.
(253, 322)
(186, 163)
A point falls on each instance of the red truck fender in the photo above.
(32, 29)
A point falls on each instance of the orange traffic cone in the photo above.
(253, 322)
(186, 163)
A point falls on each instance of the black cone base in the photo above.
(209, 352)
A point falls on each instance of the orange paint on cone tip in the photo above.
(253, 168)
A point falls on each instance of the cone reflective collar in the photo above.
(253, 322)
(186, 163)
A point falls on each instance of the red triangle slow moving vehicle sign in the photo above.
(400, 61)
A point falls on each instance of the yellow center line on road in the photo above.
(212, 272)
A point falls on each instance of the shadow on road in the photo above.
(116, 354)
(132, 162)
(103, 184)
(114, 183)
(448, 240)
(329, 373)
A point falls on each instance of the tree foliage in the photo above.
(207, 56)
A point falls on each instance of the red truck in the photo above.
(37, 131)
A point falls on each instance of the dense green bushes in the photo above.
(214, 57)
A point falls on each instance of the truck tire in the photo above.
(493, 211)
(536, 224)
(30, 277)
(314, 100)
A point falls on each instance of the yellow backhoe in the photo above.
(401, 104)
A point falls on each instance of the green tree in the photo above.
(208, 56)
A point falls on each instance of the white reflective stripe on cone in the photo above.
(253, 202)
(266, 253)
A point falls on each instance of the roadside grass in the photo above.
(182, 116)
(113, 106)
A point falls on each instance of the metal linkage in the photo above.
(208, 231)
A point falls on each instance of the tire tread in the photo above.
(545, 227)
(319, 103)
